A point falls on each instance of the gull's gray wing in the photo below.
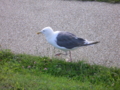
(69, 40)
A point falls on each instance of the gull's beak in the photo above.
(38, 32)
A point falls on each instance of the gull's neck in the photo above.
(48, 36)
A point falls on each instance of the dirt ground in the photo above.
(21, 19)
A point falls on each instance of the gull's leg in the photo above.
(70, 58)
(60, 54)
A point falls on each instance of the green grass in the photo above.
(27, 72)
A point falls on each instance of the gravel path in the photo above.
(21, 19)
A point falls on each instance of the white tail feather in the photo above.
(90, 42)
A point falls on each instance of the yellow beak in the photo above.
(38, 32)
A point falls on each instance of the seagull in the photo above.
(64, 41)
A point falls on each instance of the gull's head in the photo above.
(46, 31)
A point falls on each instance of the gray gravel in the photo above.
(21, 19)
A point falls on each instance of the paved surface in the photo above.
(21, 19)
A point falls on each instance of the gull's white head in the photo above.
(46, 31)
